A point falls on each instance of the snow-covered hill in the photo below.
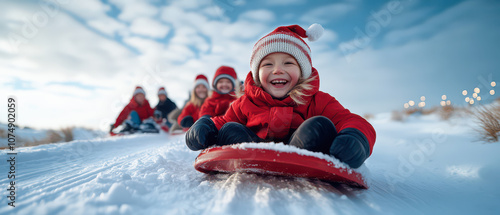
(26, 135)
(421, 166)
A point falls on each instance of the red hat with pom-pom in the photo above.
(201, 79)
(138, 90)
(225, 72)
(162, 91)
(287, 39)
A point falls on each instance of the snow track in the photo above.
(419, 167)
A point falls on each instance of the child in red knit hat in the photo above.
(136, 111)
(191, 111)
(224, 85)
(282, 103)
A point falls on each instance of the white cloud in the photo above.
(434, 24)
(90, 9)
(325, 42)
(327, 13)
(241, 30)
(149, 27)
(189, 36)
(132, 9)
(66, 51)
(446, 56)
(258, 15)
(285, 2)
(145, 46)
(107, 25)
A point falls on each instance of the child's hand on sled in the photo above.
(350, 147)
(202, 134)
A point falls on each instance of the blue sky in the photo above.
(76, 62)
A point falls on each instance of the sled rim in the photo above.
(228, 159)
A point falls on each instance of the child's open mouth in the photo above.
(279, 83)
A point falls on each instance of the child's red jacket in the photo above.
(144, 111)
(275, 120)
(189, 110)
(217, 104)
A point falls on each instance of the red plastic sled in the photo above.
(114, 134)
(265, 161)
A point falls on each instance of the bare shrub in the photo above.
(488, 119)
(67, 133)
(411, 111)
(397, 116)
(446, 112)
(52, 137)
(368, 116)
(3, 134)
(429, 111)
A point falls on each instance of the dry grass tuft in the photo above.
(488, 119)
(67, 133)
(3, 133)
(53, 136)
(429, 111)
(397, 116)
(446, 112)
(411, 111)
(368, 116)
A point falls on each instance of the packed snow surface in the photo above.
(420, 166)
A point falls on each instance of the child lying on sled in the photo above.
(282, 103)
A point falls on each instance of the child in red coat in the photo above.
(191, 111)
(224, 85)
(136, 111)
(282, 103)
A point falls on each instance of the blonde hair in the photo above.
(237, 92)
(197, 101)
(298, 91)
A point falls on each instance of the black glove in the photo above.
(187, 122)
(157, 114)
(202, 134)
(350, 147)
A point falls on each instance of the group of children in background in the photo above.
(281, 102)
(202, 102)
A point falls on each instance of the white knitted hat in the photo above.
(287, 39)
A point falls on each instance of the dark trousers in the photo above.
(315, 134)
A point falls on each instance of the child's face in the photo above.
(278, 74)
(139, 98)
(201, 91)
(224, 85)
(162, 97)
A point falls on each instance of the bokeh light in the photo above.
(477, 90)
(422, 98)
(443, 103)
(406, 105)
(479, 98)
(474, 95)
(471, 101)
(411, 103)
(492, 92)
(443, 97)
(448, 102)
(467, 99)
(493, 84)
(464, 92)
(421, 104)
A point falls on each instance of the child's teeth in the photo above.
(279, 82)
